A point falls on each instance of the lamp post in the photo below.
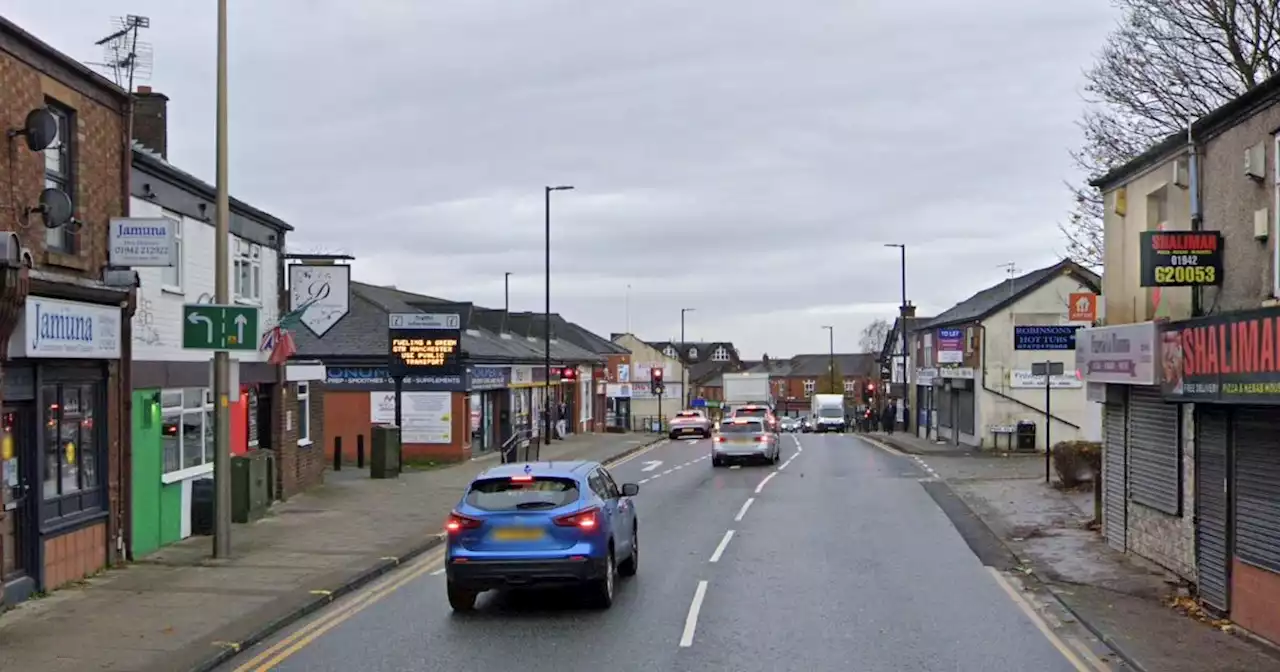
(546, 321)
(902, 335)
(684, 378)
(506, 292)
(222, 296)
(831, 346)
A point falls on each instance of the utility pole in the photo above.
(506, 292)
(684, 374)
(222, 296)
(546, 321)
(831, 367)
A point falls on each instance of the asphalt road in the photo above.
(838, 559)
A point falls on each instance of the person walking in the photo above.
(889, 418)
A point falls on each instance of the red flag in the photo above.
(283, 347)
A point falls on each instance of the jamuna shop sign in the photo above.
(1228, 358)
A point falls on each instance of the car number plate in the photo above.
(691, 430)
(517, 534)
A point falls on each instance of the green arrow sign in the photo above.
(207, 326)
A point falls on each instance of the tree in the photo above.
(823, 384)
(874, 335)
(1167, 63)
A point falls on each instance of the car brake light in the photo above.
(458, 522)
(583, 519)
(762, 439)
(719, 439)
(522, 479)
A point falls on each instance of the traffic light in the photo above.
(655, 381)
(568, 373)
(870, 393)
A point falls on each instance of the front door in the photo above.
(17, 451)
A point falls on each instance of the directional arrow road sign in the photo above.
(207, 326)
(651, 465)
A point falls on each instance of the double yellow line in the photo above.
(304, 636)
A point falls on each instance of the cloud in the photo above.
(746, 158)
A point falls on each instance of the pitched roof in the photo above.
(850, 364)
(998, 296)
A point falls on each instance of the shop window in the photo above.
(73, 446)
(188, 431)
(304, 414)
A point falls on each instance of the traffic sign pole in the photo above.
(222, 295)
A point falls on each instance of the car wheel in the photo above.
(461, 599)
(777, 456)
(715, 462)
(602, 588)
(631, 565)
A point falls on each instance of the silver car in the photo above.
(690, 423)
(743, 440)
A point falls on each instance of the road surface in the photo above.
(839, 558)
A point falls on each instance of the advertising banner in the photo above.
(1233, 358)
(427, 343)
(1185, 259)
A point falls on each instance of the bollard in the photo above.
(360, 451)
(337, 453)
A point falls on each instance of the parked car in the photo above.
(690, 423)
(541, 524)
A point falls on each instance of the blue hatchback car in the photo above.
(542, 524)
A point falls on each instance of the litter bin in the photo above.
(202, 494)
(1026, 432)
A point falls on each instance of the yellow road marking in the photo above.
(1036, 620)
(302, 637)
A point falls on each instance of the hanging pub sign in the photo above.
(1180, 259)
(1232, 358)
(428, 343)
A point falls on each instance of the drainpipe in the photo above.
(124, 535)
(1197, 215)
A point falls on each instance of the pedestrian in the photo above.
(563, 423)
(889, 418)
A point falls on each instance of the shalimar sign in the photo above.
(1232, 358)
(1180, 259)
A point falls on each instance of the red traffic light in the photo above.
(871, 387)
(655, 374)
(568, 373)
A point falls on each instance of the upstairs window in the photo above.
(59, 165)
(850, 386)
(721, 354)
(669, 351)
(808, 387)
(693, 353)
(248, 271)
(171, 276)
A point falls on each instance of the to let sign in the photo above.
(427, 343)
(207, 326)
(1045, 337)
(1187, 259)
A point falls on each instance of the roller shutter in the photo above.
(1257, 487)
(965, 402)
(1115, 503)
(1155, 453)
(1213, 543)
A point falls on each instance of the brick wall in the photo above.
(1169, 541)
(346, 415)
(284, 436)
(311, 461)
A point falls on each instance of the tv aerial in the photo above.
(125, 58)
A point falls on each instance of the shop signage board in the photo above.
(427, 343)
(371, 378)
(1045, 337)
(1180, 258)
(209, 326)
(1124, 354)
(142, 241)
(950, 346)
(1230, 358)
(324, 293)
(54, 328)
(489, 378)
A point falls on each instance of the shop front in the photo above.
(55, 432)
(434, 415)
(955, 399)
(490, 416)
(926, 409)
(1229, 367)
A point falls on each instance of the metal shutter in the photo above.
(944, 399)
(1257, 487)
(965, 423)
(1213, 545)
(1155, 457)
(1114, 502)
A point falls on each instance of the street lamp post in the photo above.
(902, 335)
(684, 377)
(222, 292)
(831, 347)
(546, 321)
(506, 292)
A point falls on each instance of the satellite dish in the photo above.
(55, 207)
(41, 129)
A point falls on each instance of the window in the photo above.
(721, 354)
(188, 429)
(304, 413)
(508, 494)
(808, 387)
(171, 276)
(248, 271)
(693, 353)
(70, 439)
(742, 427)
(669, 351)
(928, 349)
(59, 163)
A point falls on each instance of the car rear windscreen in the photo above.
(750, 413)
(504, 494)
(741, 428)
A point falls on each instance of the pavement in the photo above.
(1125, 601)
(845, 556)
(178, 609)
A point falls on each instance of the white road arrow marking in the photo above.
(651, 465)
(197, 318)
(240, 320)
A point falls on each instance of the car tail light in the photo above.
(458, 522)
(522, 479)
(719, 439)
(762, 439)
(585, 520)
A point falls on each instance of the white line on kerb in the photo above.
(691, 621)
(438, 572)
(765, 481)
(743, 511)
(724, 543)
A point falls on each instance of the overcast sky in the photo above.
(749, 159)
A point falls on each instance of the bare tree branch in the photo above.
(873, 336)
(1167, 63)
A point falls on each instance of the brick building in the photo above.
(795, 380)
(64, 332)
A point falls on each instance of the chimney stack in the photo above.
(908, 311)
(150, 123)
